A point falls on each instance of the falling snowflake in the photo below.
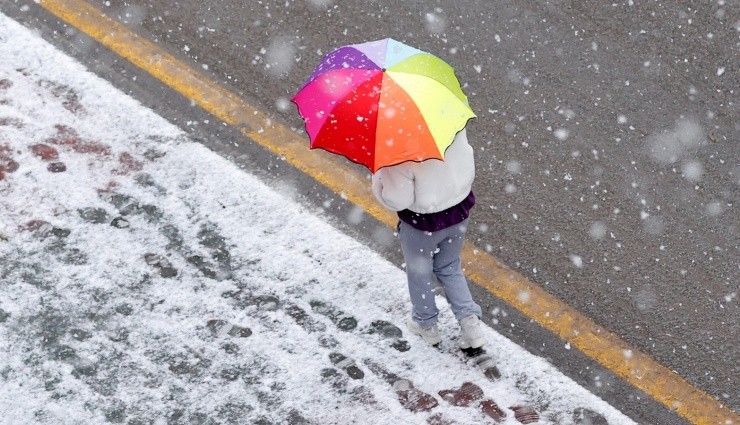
(561, 133)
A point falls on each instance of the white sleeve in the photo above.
(393, 187)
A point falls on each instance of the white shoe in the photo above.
(472, 335)
(431, 335)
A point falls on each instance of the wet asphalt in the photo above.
(606, 144)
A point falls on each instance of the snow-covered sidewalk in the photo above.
(145, 279)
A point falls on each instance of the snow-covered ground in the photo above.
(145, 279)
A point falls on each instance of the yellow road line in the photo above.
(595, 341)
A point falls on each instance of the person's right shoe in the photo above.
(430, 335)
(471, 333)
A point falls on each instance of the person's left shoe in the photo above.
(431, 335)
(471, 333)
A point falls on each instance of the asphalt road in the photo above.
(608, 164)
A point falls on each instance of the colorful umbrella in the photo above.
(382, 103)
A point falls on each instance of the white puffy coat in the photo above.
(430, 186)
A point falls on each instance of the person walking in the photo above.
(433, 200)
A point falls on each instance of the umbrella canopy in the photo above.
(382, 103)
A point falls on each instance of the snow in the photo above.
(279, 57)
(435, 22)
(597, 230)
(671, 145)
(104, 323)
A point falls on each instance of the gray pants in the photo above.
(430, 254)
